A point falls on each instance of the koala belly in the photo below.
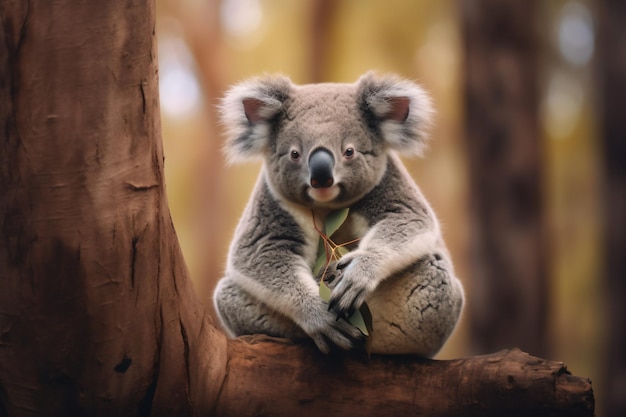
(415, 311)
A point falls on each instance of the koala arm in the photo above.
(267, 260)
(401, 229)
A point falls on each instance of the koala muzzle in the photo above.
(321, 164)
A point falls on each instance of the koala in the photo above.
(326, 147)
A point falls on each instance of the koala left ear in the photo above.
(399, 109)
(248, 111)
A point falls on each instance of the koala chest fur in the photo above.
(327, 147)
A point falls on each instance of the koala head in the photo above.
(325, 145)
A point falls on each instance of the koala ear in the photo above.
(399, 109)
(248, 110)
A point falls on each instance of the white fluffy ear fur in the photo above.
(401, 109)
(247, 112)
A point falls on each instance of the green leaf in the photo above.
(362, 318)
(341, 250)
(334, 220)
(332, 223)
(358, 319)
(367, 317)
(320, 262)
(324, 291)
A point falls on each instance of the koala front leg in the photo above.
(299, 302)
(388, 247)
(326, 330)
(243, 314)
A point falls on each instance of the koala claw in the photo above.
(329, 331)
(343, 262)
(347, 293)
(346, 302)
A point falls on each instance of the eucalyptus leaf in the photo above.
(367, 317)
(358, 320)
(320, 262)
(341, 250)
(324, 291)
(361, 318)
(334, 220)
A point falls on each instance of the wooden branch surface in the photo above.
(275, 377)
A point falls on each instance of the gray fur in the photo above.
(400, 265)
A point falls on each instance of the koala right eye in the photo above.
(295, 155)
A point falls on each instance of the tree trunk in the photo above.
(322, 16)
(509, 292)
(92, 320)
(97, 314)
(612, 87)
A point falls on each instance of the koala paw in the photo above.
(327, 330)
(351, 280)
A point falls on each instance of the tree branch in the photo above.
(276, 377)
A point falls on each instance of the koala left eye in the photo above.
(348, 153)
(295, 155)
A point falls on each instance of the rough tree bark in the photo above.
(507, 383)
(508, 246)
(97, 314)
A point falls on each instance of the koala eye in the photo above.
(349, 153)
(295, 155)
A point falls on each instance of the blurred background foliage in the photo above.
(207, 45)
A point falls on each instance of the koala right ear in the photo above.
(400, 109)
(248, 110)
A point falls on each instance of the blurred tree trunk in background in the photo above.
(203, 33)
(322, 17)
(612, 88)
(508, 253)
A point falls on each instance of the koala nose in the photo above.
(321, 163)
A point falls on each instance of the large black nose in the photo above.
(321, 163)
